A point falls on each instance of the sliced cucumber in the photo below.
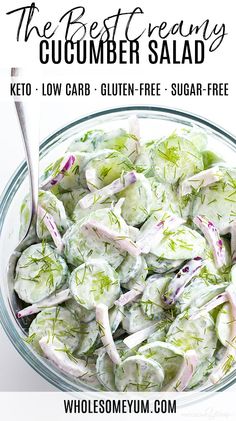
(104, 168)
(210, 159)
(80, 213)
(79, 246)
(118, 140)
(182, 244)
(197, 137)
(160, 333)
(168, 356)
(51, 204)
(151, 301)
(191, 297)
(121, 141)
(115, 317)
(138, 198)
(105, 371)
(144, 160)
(80, 313)
(134, 318)
(89, 336)
(160, 265)
(223, 324)
(218, 201)
(132, 269)
(58, 322)
(124, 351)
(40, 271)
(196, 334)
(164, 197)
(139, 374)
(71, 198)
(176, 158)
(94, 282)
(86, 142)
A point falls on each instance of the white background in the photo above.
(15, 374)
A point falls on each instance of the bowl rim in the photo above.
(49, 372)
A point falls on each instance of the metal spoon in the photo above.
(28, 115)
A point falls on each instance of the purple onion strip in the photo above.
(202, 179)
(53, 349)
(65, 166)
(49, 222)
(51, 301)
(106, 234)
(178, 283)
(98, 196)
(102, 318)
(212, 236)
(128, 297)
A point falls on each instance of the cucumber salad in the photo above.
(132, 285)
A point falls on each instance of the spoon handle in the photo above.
(28, 116)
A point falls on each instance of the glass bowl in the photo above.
(154, 122)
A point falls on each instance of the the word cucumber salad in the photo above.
(133, 283)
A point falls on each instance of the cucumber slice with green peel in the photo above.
(139, 374)
(105, 371)
(57, 322)
(198, 138)
(168, 356)
(80, 313)
(132, 268)
(160, 265)
(71, 198)
(121, 141)
(217, 202)
(55, 208)
(86, 142)
(89, 337)
(210, 159)
(40, 271)
(195, 135)
(124, 351)
(51, 204)
(94, 282)
(138, 198)
(137, 284)
(118, 140)
(134, 318)
(176, 158)
(160, 333)
(115, 317)
(105, 168)
(89, 332)
(143, 162)
(164, 197)
(79, 246)
(198, 335)
(155, 229)
(151, 300)
(182, 244)
(223, 324)
(80, 213)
